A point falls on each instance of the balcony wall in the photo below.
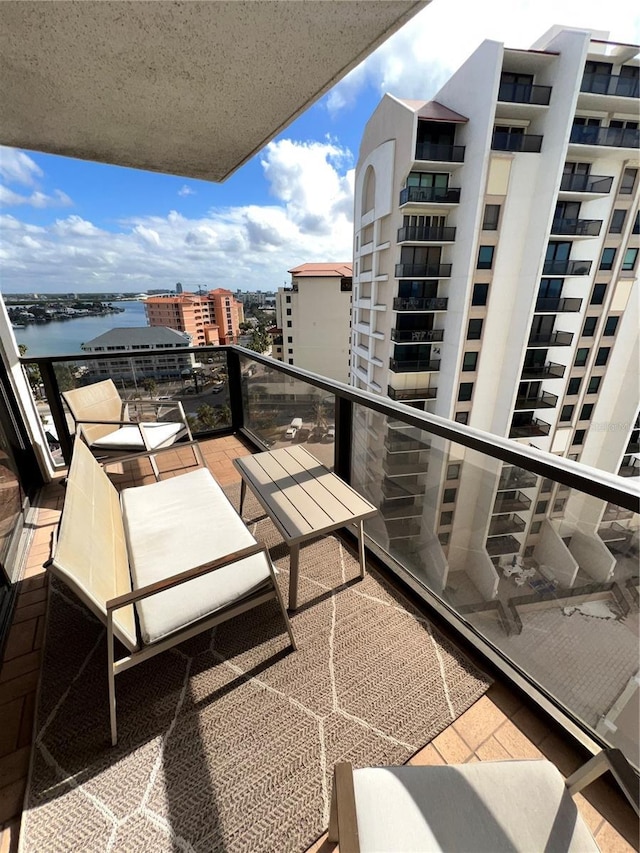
(526, 142)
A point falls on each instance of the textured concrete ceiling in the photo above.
(190, 88)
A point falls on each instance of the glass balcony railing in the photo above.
(423, 234)
(614, 137)
(431, 195)
(550, 339)
(403, 395)
(566, 268)
(529, 429)
(423, 270)
(461, 512)
(526, 142)
(586, 184)
(550, 370)
(442, 153)
(524, 93)
(412, 366)
(577, 227)
(610, 84)
(542, 401)
(417, 303)
(404, 336)
(559, 305)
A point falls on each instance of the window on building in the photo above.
(480, 294)
(485, 257)
(594, 385)
(546, 486)
(469, 361)
(578, 436)
(559, 505)
(589, 328)
(582, 353)
(465, 391)
(453, 471)
(288, 324)
(289, 339)
(607, 259)
(610, 327)
(617, 221)
(474, 330)
(573, 386)
(602, 356)
(597, 297)
(491, 217)
(630, 258)
(288, 312)
(446, 518)
(290, 361)
(541, 507)
(586, 411)
(443, 538)
(449, 496)
(536, 526)
(462, 417)
(567, 413)
(628, 181)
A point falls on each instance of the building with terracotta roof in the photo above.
(212, 318)
(314, 315)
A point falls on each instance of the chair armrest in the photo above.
(108, 423)
(183, 577)
(145, 454)
(622, 771)
(343, 822)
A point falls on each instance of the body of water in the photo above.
(64, 337)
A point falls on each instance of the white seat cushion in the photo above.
(488, 806)
(129, 438)
(176, 525)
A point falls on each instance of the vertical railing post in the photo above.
(344, 426)
(52, 393)
(235, 389)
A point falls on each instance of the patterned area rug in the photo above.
(227, 743)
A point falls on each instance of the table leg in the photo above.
(243, 492)
(293, 576)
(361, 548)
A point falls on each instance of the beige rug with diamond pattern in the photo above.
(227, 743)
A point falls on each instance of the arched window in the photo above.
(368, 190)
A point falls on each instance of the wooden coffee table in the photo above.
(303, 499)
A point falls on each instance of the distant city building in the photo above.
(314, 316)
(210, 319)
(178, 288)
(166, 362)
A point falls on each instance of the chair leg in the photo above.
(283, 607)
(112, 680)
(154, 466)
(343, 822)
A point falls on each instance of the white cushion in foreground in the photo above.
(176, 525)
(485, 807)
(129, 438)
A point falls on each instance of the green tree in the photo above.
(32, 372)
(260, 340)
(150, 386)
(208, 417)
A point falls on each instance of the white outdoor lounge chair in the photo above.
(102, 421)
(175, 549)
(486, 807)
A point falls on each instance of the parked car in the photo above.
(303, 435)
(292, 429)
(330, 434)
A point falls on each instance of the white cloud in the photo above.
(38, 199)
(16, 167)
(186, 190)
(418, 59)
(249, 246)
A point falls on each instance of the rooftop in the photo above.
(135, 336)
(317, 270)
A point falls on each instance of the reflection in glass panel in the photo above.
(555, 589)
(283, 411)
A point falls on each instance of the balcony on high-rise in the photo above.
(511, 501)
(502, 525)
(577, 227)
(613, 137)
(557, 305)
(566, 267)
(550, 339)
(576, 183)
(405, 395)
(399, 365)
(548, 370)
(545, 400)
(512, 477)
(505, 140)
(524, 93)
(439, 152)
(529, 428)
(611, 84)
(423, 270)
(405, 336)
(426, 234)
(417, 303)
(429, 195)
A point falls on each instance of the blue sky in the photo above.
(70, 225)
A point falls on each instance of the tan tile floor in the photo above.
(499, 726)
